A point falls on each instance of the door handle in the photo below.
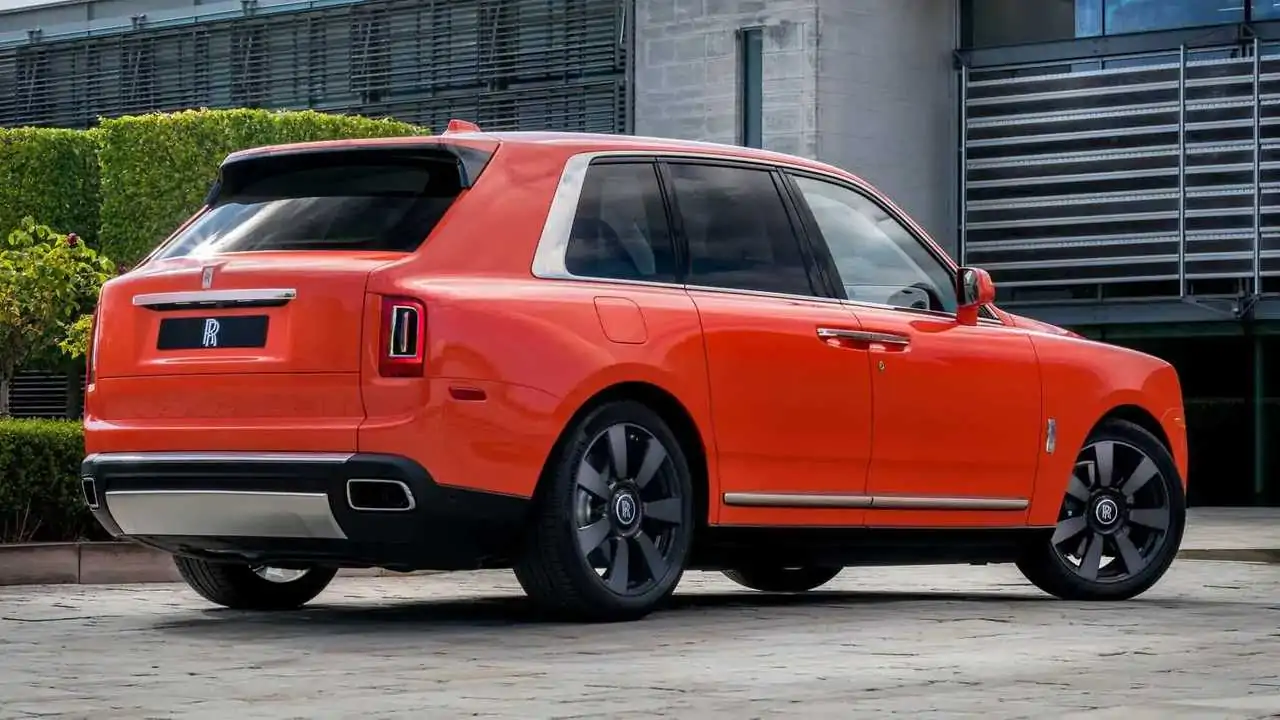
(863, 336)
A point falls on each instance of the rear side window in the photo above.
(350, 200)
(739, 234)
(620, 230)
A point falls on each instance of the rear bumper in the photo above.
(297, 508)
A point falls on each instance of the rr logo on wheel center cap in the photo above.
(624, 508)
(1106, 512)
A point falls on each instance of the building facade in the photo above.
(1115, 164)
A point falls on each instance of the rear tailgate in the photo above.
(245, 329)
(283, 312)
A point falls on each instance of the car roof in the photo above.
(573, 141)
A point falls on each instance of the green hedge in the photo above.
(40, 496)
(50, 175)
(156, 169)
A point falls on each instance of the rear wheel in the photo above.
(783, 579)
(245, 587)
(1121, 520)
(614, 521)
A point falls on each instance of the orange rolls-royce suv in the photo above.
(601, 361)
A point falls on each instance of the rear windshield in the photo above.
(329, 201)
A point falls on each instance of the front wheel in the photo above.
(783, 579)
(1121, 519)
(246, 587)
(614, 521)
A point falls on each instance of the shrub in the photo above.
(40, 497)
(50, 174)
(157, 169)
(48, 284)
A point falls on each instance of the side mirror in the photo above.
(974, 288)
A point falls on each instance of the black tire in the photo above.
(577, 561)
(783, 580)
(1125, 498)
(239, 587)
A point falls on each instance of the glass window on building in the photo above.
(1266, 10)
(990, 23)
(1133, 16)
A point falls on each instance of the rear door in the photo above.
(791, 398)
(252, 314)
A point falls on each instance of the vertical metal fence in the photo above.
(1152, 177)
(508, 64)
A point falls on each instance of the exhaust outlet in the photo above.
(370, 495)
(89, 487)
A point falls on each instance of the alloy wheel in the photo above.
(628, 510)
(1116, 515)
(278, 575)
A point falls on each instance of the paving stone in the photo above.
(877, 642)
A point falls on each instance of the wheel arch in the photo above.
(671, 410)
(1139, 416)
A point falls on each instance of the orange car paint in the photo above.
(962, 413)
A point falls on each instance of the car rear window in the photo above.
(323, 201)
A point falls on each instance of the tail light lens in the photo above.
(91, 352)
(402, 346)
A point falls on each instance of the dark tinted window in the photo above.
(738, 231)
(323, 202)
(620, 231)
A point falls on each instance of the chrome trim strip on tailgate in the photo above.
(252, 297)
(224, 513)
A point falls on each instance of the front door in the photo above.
(791, 401)
(957, 424)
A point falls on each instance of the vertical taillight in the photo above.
(403, 346)
(91, 352)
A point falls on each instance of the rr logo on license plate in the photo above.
(211, 328)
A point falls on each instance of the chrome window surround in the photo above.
(553, 244)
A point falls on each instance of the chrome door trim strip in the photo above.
(309, 458)
(252, 297)
(870, 502)
(224, 513)
(797, 500)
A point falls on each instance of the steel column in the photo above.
(964, 159)
(1257, 166)
(1259, 421)
(1182, 172)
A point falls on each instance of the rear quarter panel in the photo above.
(537, 351)
(1083, 381)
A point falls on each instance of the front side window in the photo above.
(620, 230)
(878, 260)
(738, 230)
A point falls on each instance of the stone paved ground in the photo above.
(891, 642)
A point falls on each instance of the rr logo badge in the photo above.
(211, 328)
(206, 278)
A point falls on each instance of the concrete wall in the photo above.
(686, 70)
(888, 103)
(867, 85)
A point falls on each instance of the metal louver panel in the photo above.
(1155, 179)
(38, 395)
(508, 64)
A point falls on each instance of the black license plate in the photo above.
(212, 333)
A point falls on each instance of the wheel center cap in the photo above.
(626, 509)
(1106, 512)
